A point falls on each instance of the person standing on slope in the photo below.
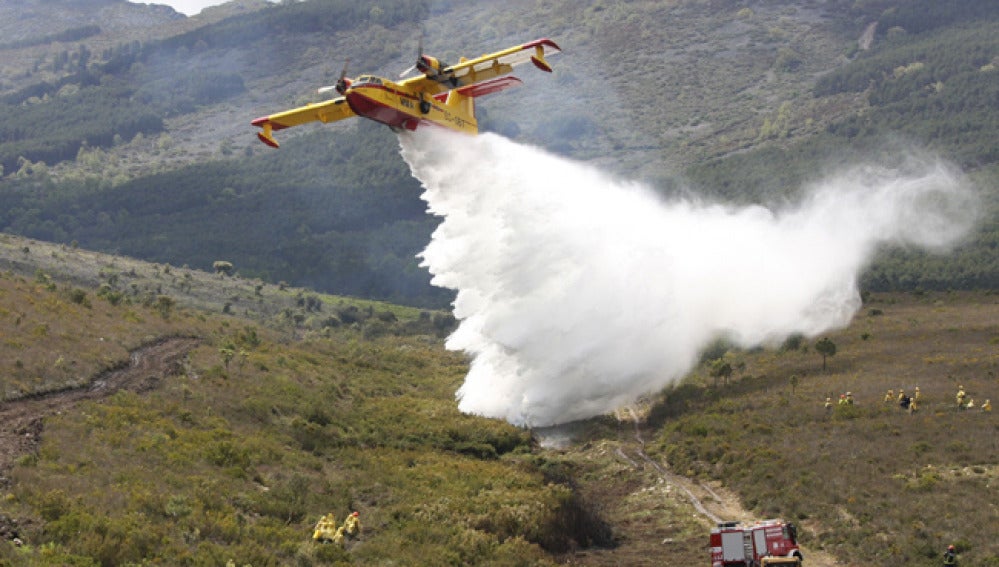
(950, 557)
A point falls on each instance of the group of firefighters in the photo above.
(911, 403)
(964, 402)
(905, 401)
(326, 530)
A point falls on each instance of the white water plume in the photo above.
(578, 293)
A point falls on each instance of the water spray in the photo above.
(578, 292)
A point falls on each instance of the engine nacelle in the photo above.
(429, 66)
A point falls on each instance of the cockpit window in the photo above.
(790, 533)
(367, 80)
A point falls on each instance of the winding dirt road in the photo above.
(21, 420)
(715, 504)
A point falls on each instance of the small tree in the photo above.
(720, 369)
(222, 267)
(793, 342)
(227, 352)
(164, 304)
(826, 348)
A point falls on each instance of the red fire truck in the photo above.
(771, 542)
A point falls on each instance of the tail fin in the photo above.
(462, 109)
(460, 102)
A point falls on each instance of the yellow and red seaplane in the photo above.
(443, 94)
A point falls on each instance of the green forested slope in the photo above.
(354, 229)
(932, 93)
(336, 209)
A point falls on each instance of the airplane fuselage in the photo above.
(388, 103)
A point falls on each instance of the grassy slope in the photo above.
(237, 461)
(296, 311)
(870, 483)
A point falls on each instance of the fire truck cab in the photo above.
(771, 542)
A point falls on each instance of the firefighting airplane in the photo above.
(443, 95)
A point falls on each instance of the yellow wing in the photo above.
(486, 67)
(327, 111)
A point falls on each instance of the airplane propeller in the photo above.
(341, 84)
(405, 73)
(419, 58)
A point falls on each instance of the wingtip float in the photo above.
(266, 134)
(442, 95)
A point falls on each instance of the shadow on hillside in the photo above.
(576, 525)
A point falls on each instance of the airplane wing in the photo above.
(326, 111)
(502, 62)
(490, 66)
(484, 88)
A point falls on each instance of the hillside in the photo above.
(234, 445)
(738, 101)
(377, 433)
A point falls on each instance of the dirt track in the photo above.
(21, 420)
(716, 504)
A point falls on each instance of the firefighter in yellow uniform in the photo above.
(890, 397)
(352, 525)
(987, 406)
(338, 536)
(901, 396)
(325, 530)
(960, 397)
(350, 529)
